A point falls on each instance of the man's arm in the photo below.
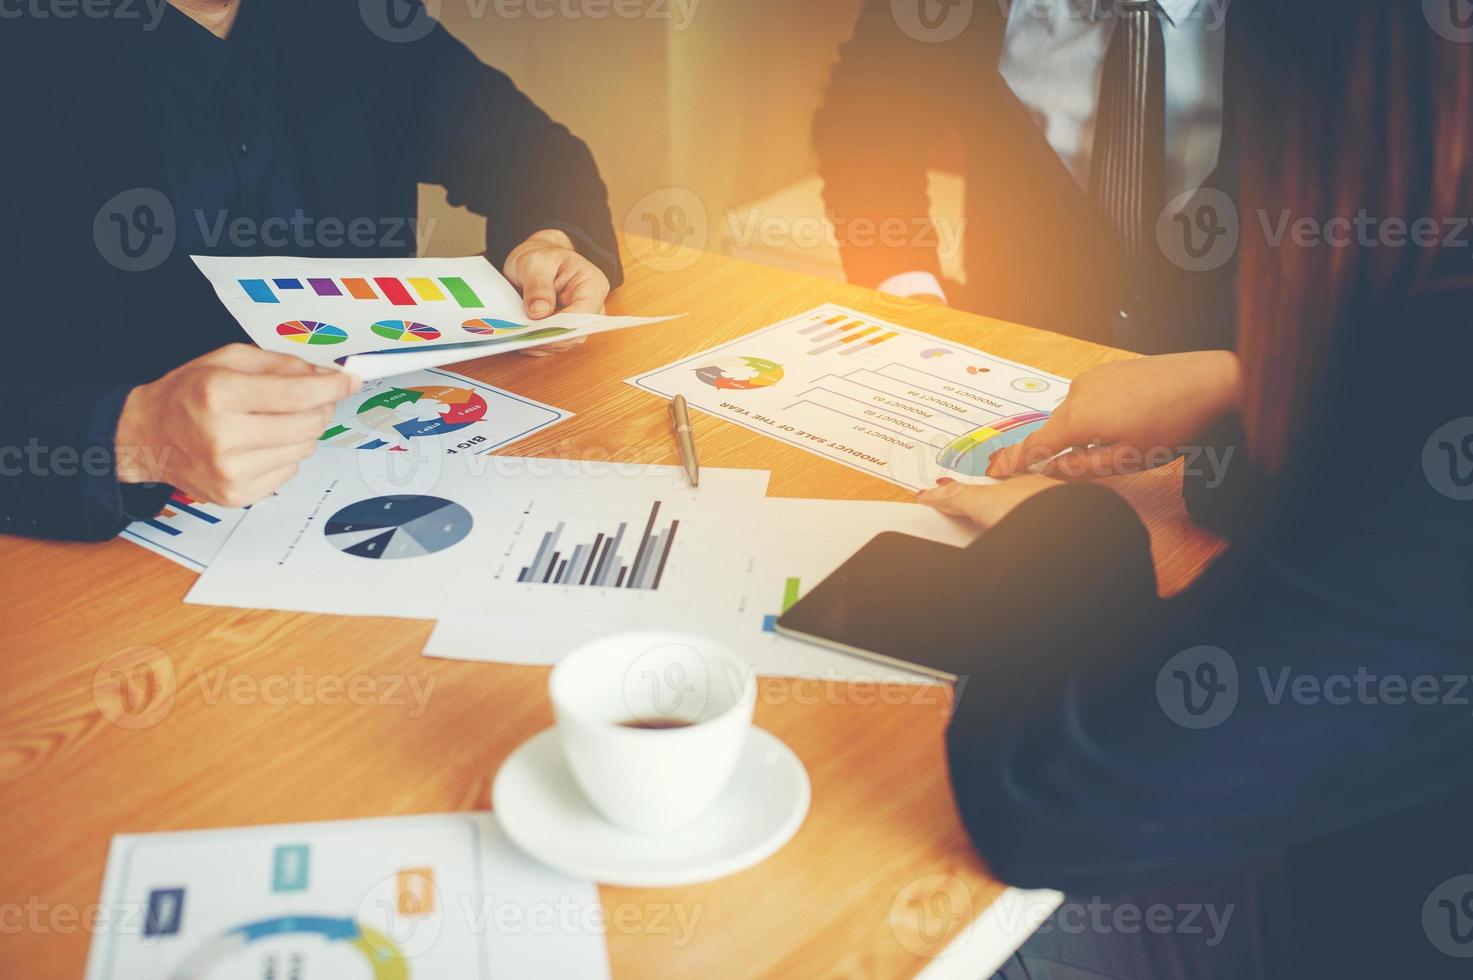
(889, 98)
(501, 156)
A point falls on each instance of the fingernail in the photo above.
(943, 481)
(538, 308)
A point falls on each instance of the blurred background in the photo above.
(698, 103)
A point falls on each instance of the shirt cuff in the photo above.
(913, 284)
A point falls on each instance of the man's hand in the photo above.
(230, 427)
(1133, 415)
(554, 278)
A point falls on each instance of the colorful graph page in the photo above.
(534, 539)
(893, 402)
(419, 415)
(394, 898)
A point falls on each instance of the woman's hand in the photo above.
(983, 505)
(1132, 415)
(553, 278)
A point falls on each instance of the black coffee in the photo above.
(656, 723)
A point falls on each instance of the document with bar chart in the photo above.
(495, 537)
(426, 897)
(380, 317)
(896, 403)
(419, 413)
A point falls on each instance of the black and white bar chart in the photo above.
(612, 558)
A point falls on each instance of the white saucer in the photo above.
(544, 812)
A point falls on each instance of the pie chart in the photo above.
(398, 526)
(489, 327)
(968, 454)
(311, 332)
(741, 372)
(405, 330)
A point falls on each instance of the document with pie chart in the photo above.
(418, 413)
(432, 897)
(894, 402)
(493, 537)
(381, 317)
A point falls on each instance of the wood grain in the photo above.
(852, 895)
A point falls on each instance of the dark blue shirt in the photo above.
(232, 159)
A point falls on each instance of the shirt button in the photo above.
(245, 148)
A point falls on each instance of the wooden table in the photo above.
(851, 895)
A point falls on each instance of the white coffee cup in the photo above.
(652, 724)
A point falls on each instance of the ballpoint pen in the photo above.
(684, 441)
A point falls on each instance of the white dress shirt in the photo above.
(1053, 56)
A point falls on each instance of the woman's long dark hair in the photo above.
(1352, 106)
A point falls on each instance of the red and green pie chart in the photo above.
(311, 332)
(491, 327)
(405, 330)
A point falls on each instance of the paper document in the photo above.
(893, 402)
(445, 896)
(380, 317)
(493, 537)
(419, 413)
(798, 544)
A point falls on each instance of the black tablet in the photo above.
(900, 601)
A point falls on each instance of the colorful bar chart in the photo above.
(792, 591)
(398, 291)
(842, 336)
(598, 562)
(179, 504)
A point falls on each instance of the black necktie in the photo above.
(1128, 165)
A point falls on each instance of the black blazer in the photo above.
(378, 116)
(1038, 251)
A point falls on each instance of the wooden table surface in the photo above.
(859, 890)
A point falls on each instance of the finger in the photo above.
(278, 394)
(1096, 462)
(956, 499)
(258, 489)
(1050, 439)
(254, 360)
(585, 291)
(252, 432)
(539, 271)
(547, 350)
